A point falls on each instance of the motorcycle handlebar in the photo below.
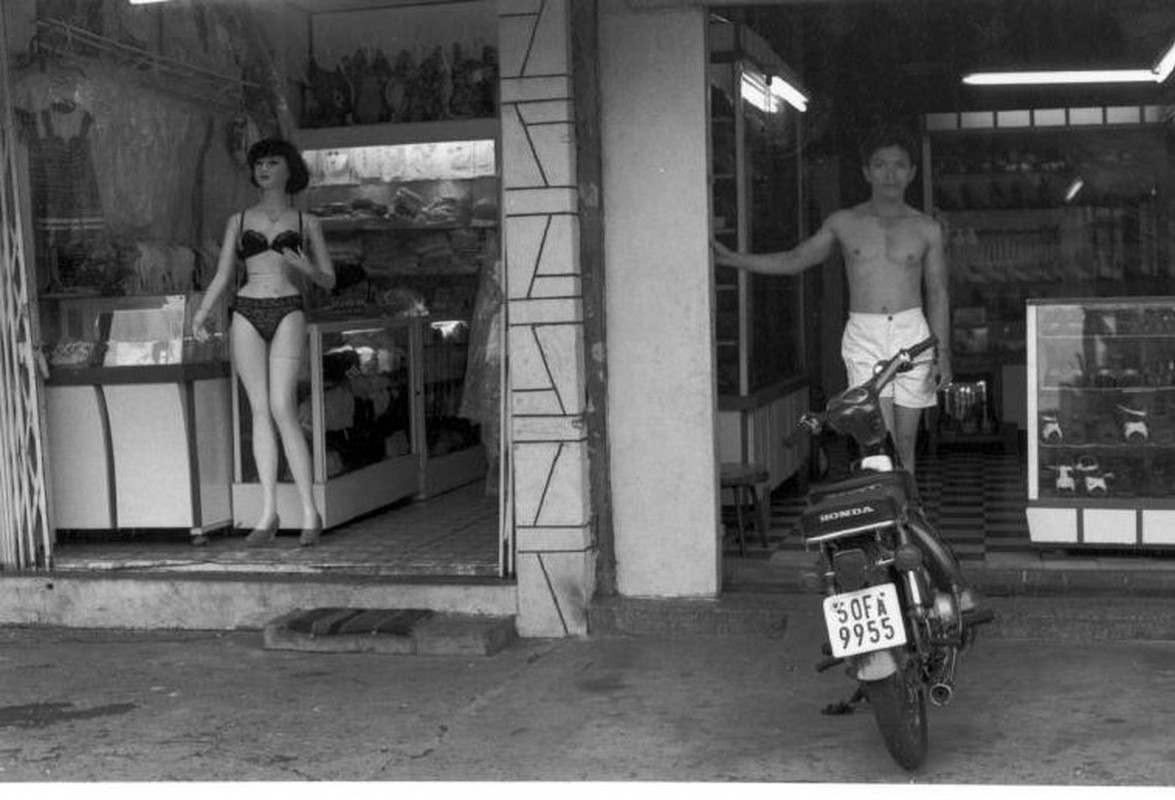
(903, 360)
(920, 348)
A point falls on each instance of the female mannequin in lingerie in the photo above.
(268, 328)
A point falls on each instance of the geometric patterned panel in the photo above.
(563, 500)
(545, 313)
(528, 367)
(526, 236)
(561, 236)
(555, 603)
(542, 255)
(562, 346)
(25, 533)
(533, 465)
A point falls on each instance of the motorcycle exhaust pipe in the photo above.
(941, 693)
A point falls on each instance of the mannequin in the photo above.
(278, 245)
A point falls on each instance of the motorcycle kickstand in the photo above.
(845, 706)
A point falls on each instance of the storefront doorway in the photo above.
(130, 174)
(1052, 196)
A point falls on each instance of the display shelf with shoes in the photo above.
(1101, 440)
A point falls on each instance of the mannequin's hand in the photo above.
(298, 260)
(199, 330)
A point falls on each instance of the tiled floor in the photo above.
(976, 499)
(453, 534)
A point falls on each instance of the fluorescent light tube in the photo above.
(754, 91)
(1061, 77)
(1156, 74)
(770, 97)
(789, 94)
(1166, 65)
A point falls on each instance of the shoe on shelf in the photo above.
(260, 537)
(1066, 484)
(1050, 429)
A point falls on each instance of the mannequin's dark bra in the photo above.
(253, 242)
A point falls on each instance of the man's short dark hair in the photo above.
(889, 136)
(299, 173)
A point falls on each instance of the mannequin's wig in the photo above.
(299, 177)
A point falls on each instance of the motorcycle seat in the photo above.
(898, 486)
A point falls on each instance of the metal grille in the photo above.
(25, 529)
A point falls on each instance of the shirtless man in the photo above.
(891, 250)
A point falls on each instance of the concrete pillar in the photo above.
(551, 495)
(661, 398)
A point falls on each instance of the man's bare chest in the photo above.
(901, 245)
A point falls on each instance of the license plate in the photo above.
(863, 621)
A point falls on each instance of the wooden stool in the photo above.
(749, 481)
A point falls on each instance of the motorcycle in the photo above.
(891, 609)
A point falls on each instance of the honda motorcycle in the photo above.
(890, 609)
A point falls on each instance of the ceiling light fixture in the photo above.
(770, 93)
(1165, 65)
(1156, 74)
(789, 94)
(1071, 76)
(145, 2)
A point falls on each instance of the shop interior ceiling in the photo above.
(332, 6)
(863, 60)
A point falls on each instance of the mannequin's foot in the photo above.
(311, 531)
(263, 534)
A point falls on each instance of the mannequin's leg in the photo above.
(250, 357)
(285, 360)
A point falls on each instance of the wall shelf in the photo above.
(397, 133)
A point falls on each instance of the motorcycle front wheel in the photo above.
(899, 706)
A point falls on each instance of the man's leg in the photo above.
(906, 422)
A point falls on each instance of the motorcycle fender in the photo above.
(876, 666)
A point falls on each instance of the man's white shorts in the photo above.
(870, 338)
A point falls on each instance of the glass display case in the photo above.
(92, 332)
(359, 411)
(1101, 408)
(1041, 203)
(413, 231)
(137, 413)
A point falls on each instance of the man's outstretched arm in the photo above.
(812, 251)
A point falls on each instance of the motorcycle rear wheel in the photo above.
(899, 706)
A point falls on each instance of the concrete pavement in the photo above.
(84, 705)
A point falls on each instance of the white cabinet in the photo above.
(1101, 422)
